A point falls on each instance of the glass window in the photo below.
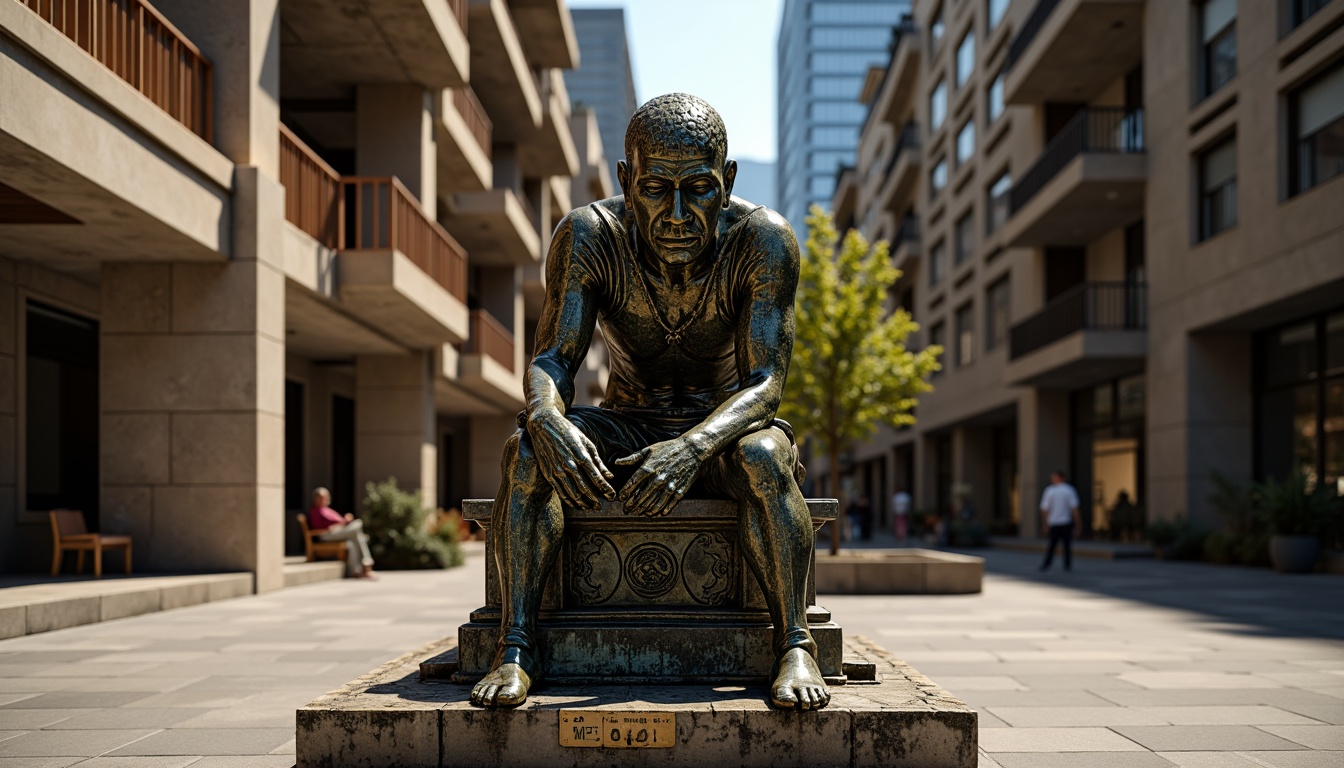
(1289, 354)
(1218, 27)
(997, 202)
(61, 412)
(966, 57)
(827, 161)
(966, 142)
(1318, 130)
(938, 338)
(837, 87)
(937, 106)
(936, 32)
(965, 321)
(838, 111)
(995, 97)
(1301, 10)
(997, 298)
(834, 136)
(857, 13)
(965, 239)
(996, 10)
(850, 37)
(1218, 189)
(821, 186)
(938, 177)
(838, 62)
(937, 262)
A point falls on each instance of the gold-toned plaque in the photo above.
(618, 730)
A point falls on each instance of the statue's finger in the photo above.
(633, 459)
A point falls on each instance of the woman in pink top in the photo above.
(337, 527)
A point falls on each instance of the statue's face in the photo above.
(676, 201)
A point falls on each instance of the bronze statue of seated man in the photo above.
(695, 293)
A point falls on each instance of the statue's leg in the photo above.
(527, 523)
(777, 540)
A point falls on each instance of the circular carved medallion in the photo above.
(651, 570)
(707, 569)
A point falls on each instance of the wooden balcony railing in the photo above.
(1087, 306)
(459, 8)
(469, 107)
(313, 196)
(379, 213)
(143, 48)
(490, 338)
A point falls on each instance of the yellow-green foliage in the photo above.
(851, 370)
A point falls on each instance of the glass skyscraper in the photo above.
(825, 48)
(604, 81)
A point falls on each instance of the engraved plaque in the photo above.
(617, 730)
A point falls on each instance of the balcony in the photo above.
(464, 134)
(486, 368)
(327, 46)
(143, 48)
(902, 172)
(498, 227)
(313, 195)
(501, 73)
(550, 150)
(905, 245)
(891, 101)
(1071, 50)
(1089, 333)
(547, 31)
(1089, 180)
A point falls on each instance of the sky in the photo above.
(720, 50)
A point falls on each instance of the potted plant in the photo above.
(1297, 513)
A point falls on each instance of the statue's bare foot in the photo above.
(799, 684)
(507, 684)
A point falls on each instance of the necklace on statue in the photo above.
(673, 336)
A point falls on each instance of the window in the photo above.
(995, 97)
(838, 111)
(834, 137)
(837, 87)
(841, 62)
(937, 263)
(1218, 188)
(856, 13)
(938, 106)
(1318, 131)
(966, 142)
(996, 10)
(965, 239)
(1218, 28)
(997, 202)
(936, 31)
(938, 177)
(1300, 393)
(849, 37)
(965, 325)
(938, 338)
(61, 412)
(996, 313)
(821, 186)
(966, 57)
(1301, 10)
(826, 161)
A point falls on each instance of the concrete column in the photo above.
(192, 401)
(973, 458)
(11, 544)
(1042, 447)
(395, 434)
(394, 135)
(488, 434)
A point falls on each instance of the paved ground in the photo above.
(1116, 664)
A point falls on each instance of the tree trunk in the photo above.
(835, 488)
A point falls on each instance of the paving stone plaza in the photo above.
(1125, 663)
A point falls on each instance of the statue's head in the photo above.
(676, 176)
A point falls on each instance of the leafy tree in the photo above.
(851, 370)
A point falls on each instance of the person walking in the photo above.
(337, 527)
(900, 507)
(1059, 513)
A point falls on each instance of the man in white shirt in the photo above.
(1059, 513)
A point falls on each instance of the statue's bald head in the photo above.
(676, 125)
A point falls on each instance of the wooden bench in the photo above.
(315, 547)
(68, 533)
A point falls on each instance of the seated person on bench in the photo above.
(337, 527)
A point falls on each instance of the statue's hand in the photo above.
(666, 471)
(569, 461)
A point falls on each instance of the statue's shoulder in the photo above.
(766, 232)
(595, 219)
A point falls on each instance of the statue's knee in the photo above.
(767, 452)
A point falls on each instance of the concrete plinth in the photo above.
(899, 572)
(392, 717)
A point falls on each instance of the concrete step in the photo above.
(298, 574)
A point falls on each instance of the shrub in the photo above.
(395, 522)
(1220, 547)
(1177, 539)
(1290, 508)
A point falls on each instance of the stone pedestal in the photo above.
(895, 717)
(649, 600)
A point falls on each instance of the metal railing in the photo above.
(1093, 129)
(1086, 306)
(1030, 29)
(490, 338)
(379, 213)
(313, 196)
(908, 233)
(473, 114)
(143, 48)
(908, 141)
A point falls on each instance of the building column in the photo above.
(192, 401)
(1043, 441)
(9, 419)
(394, 136)
(488, 434)
(395, 429)
(973, 458)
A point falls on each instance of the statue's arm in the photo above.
(568, 317)
(764, 342)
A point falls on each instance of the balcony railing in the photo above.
(312, 191)
(490, 338)
(908, 233)
(143, 48)
(908, 141)
(1023, 39)
(1119, 306)
(1094, 129)
(381, 214)
(469, 107)
(459, 8)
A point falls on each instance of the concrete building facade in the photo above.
(1120, 221)
(251, 248)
